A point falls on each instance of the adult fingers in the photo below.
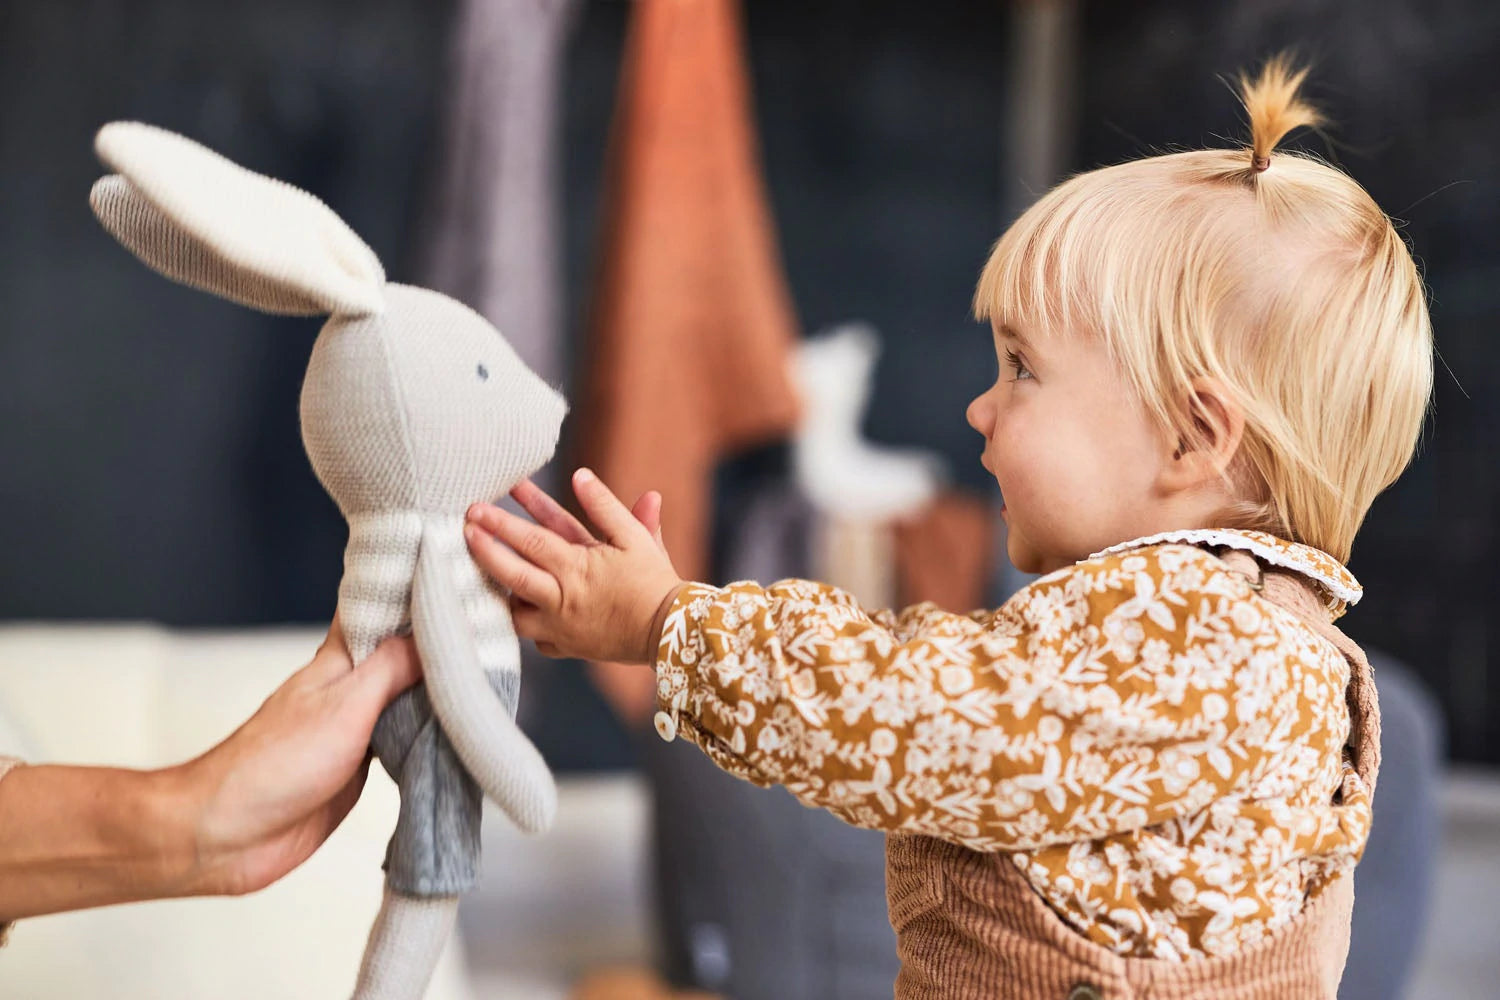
(342, 803)
(335, 636)
(330, 662)
(616, 524)
(550, 514)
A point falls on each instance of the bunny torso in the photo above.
(435, 848)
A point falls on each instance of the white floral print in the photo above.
(1158, 749)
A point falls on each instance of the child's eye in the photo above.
(1017, 365)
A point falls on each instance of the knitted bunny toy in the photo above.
(413, 407)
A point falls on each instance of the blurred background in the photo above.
(788, 203)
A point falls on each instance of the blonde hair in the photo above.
(1278, 276)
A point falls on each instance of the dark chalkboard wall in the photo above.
(149, 459)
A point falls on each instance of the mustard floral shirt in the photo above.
(1158, 749)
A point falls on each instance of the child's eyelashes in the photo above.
(1017, 366)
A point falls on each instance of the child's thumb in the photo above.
(656, 534)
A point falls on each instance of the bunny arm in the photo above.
(481, 730)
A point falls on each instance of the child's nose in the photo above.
(975, 415)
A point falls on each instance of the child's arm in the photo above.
(1121, 693)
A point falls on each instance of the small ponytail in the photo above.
(1274, 107)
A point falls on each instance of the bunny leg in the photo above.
(435, 849)
(405, 944)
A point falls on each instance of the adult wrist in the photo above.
(173, 806)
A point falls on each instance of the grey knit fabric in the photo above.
(493, 234)
(413, 408)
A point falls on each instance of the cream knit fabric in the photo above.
(413, 408)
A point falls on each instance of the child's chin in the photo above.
(1021, 555)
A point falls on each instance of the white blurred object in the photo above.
(859, 489)
(143, 696)
(844, 475)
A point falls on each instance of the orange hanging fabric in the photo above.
(946, 553)
(692, 324)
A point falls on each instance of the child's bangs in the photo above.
(1048, 269)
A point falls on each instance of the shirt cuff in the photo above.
(676, 655)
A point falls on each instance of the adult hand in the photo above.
(272, 792)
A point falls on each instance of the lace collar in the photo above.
(1315, 564)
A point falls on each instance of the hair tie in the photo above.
(1259, 163)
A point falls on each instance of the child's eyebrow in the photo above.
(1009, 333)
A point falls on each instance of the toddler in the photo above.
(1150, 772)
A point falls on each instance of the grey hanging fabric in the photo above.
(493, 238)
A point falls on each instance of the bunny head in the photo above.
(423, 406)
(412, 401)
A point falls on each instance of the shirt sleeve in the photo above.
(7, 764)
(1118, 693)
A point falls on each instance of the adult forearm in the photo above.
(75, 837)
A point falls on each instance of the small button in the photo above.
(1085, 991)
(666, 726)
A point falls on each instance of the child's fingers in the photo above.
(536, 544)
(647, 510)
(618, 525)
(549, 513)
(656, 527)
(527, 620)
(525, 580)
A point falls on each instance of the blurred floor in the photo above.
(551, 908)
(1461, 956)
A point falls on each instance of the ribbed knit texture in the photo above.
(969, 926)
(209, 223)
(464, 632)
(405, 944)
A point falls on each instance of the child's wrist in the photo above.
(658, 622)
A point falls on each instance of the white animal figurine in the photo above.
(845, 475)
(413, 408)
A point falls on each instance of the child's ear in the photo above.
(1218, 429)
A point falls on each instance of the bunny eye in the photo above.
(483, 372)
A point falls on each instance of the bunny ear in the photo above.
(208, 222)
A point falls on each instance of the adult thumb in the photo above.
(385, 673)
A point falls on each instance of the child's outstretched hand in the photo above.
(573, 594)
